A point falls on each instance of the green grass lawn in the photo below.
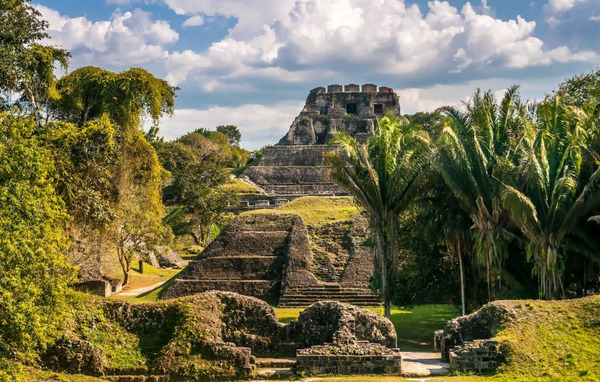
(414, 326)
(239, 187)
(317, 210)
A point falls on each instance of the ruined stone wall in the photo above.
(362, 358)
(345, 339)
(479, 355)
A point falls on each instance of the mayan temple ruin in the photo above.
(296, 165)
(277, 257)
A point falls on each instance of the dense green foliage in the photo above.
(90, 92)
(34, 274)
(26, 67)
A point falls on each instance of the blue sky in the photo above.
(252, 62)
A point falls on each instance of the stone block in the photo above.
(351, 88)
(368, 88)
(98, 287)
(334, 88)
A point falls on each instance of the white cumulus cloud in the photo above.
(128, 38)
(257, 123)
(385, 37)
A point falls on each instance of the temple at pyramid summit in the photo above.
(296, 165)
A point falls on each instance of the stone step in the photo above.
(275, 373)
(137, 378)
(274, 363)
(311, 300)
(304, 303)
(329, 293)
(331, 296)
(140, 370)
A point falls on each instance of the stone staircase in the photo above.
(275, 368)
(303, 296)
(133, 374)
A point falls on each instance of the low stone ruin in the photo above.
(339, 323)
(354, 341)
(217, 335)
(467, 342)
(479, 355)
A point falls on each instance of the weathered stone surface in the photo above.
(249, 322)
(339, 323)
(256, 255)
(167, 258)
(357, 358)
(76, 356)
(340, 254)
(482, 324)
(479, 355)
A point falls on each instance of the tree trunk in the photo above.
(208, 235)
(462, 279)
(380, 251)
(489, 281)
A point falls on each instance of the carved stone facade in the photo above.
(347, 109)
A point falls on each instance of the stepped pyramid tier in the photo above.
(296, 165)
(269, 256)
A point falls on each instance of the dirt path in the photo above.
(138, 291)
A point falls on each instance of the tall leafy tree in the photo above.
(383, 175)
(553, 195)
(232, 132)
(198, 190)
(34, 273)
(26, 67)
(89, 92)
(477, 149)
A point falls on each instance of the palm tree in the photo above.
(554, 196)
(383, 175)
(475, 149)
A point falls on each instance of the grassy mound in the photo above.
(239, 187)
(551, 340)
(317, 210)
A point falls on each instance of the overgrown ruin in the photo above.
(270, 256)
